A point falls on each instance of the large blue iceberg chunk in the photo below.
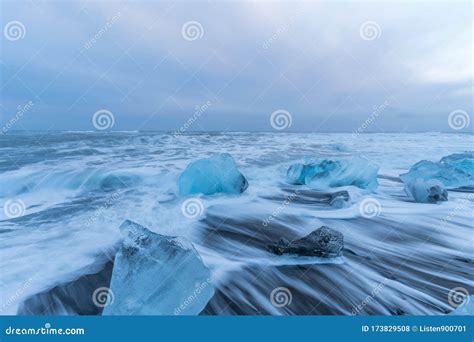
(453, 171)
(155, 274)
(217, 174)
(426, 180)
(323, 174)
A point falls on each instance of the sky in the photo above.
(237, 66)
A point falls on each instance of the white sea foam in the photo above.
(71, 217)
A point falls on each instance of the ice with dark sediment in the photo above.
(426, 180)
(427, 191)
(155, 274)
(324, 242)
(324, 174)
(217, 174)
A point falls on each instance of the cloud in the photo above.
(251, 59)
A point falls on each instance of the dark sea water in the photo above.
(65, 194)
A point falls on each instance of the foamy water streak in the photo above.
(78, 187)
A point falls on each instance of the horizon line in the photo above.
(227, 131)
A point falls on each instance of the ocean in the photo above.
(64, 195)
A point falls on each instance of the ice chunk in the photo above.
(297, 173)
(323, 242)
(460, 161)
(453, 171)
(323, 174)
(427, 191)
(155, 274)
(217, 174)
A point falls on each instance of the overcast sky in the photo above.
(332, 66)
